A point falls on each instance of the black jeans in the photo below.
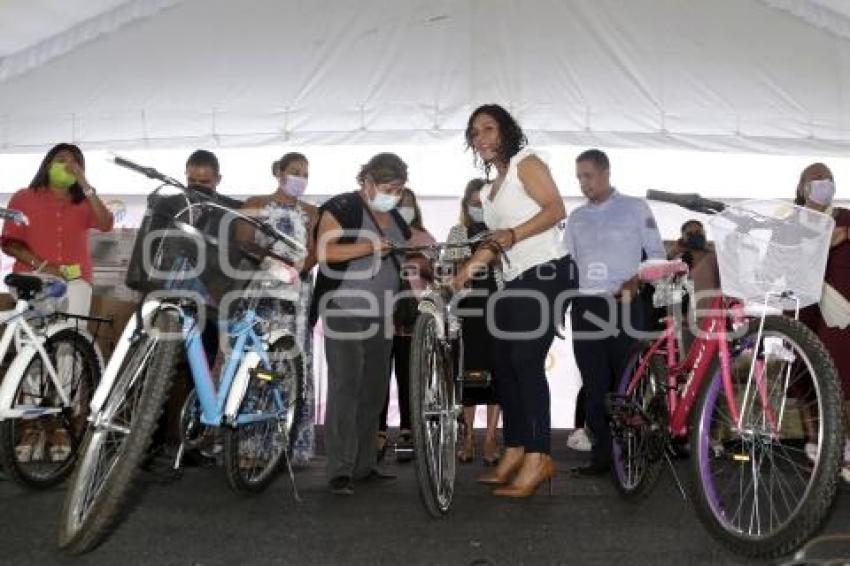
(525, 316)
(601, 359)
(401, 361)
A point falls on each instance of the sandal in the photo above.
(466, 453)
(491, 452)
(60, 445)
(404, 446)
(381, 444)
(31, 446)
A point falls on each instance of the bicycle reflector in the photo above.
(264, 375)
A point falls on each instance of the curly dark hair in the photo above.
(510, 133)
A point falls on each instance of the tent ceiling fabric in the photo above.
(726, 75)
(25, 23)
(829, 15)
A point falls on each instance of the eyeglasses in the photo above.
(394, 187)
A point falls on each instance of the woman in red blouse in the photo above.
(61, 206)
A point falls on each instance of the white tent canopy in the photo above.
(684, 94)
(728, 97)
(741, 75)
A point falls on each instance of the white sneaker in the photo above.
(845, 472)
(579, 440)
(811, 450)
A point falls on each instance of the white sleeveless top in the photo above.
(512, 207)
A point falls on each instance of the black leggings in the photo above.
(527, 305)
(401, 362)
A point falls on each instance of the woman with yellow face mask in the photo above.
(60, 206)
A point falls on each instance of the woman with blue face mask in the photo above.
(355, 286)
(478, 342)
(285, 210)
(829, 319)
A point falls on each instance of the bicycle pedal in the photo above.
(265, 375)
(475, 377)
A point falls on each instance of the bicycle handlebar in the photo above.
(481, 237)
(691, 201)
(15, 216)
(268, 230)
(149, 172)
(744, 220)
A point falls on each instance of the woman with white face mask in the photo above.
(356, 282)
(285, 210)
(829, 319)
(476, 336)
(417, 273)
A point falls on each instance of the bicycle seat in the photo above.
(24, 284)
(654, 270)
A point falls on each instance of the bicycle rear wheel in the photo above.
(40, 452)
(253, 452)
(757, 491)
(117, 442)
(639, 430)
(433, 414)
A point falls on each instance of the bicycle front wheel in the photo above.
(117, 442)
(40, 451)
(253, 451)
(433, 414)
(766, 480)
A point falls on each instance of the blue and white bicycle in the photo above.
(194, 253)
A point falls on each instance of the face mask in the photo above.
(382, 202)
(58, 176)
(408, 213)
(695, 241)
(294, 186)
(821, 192)
(476, 213)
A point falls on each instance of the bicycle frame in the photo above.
(218, 405)
(29, 343)
(221, 405)
(712, 340)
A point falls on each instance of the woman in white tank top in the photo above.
(523, 207)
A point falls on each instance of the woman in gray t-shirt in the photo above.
(357, 281)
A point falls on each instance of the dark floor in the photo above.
(199, 521)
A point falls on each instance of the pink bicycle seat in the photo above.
(657, 269)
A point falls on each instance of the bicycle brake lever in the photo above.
(505, 257)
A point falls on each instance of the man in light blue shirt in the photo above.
(608, 237)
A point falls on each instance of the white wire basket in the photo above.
(772, 250)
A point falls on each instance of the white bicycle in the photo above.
(55, 366)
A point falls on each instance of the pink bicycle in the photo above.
(755, 394)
